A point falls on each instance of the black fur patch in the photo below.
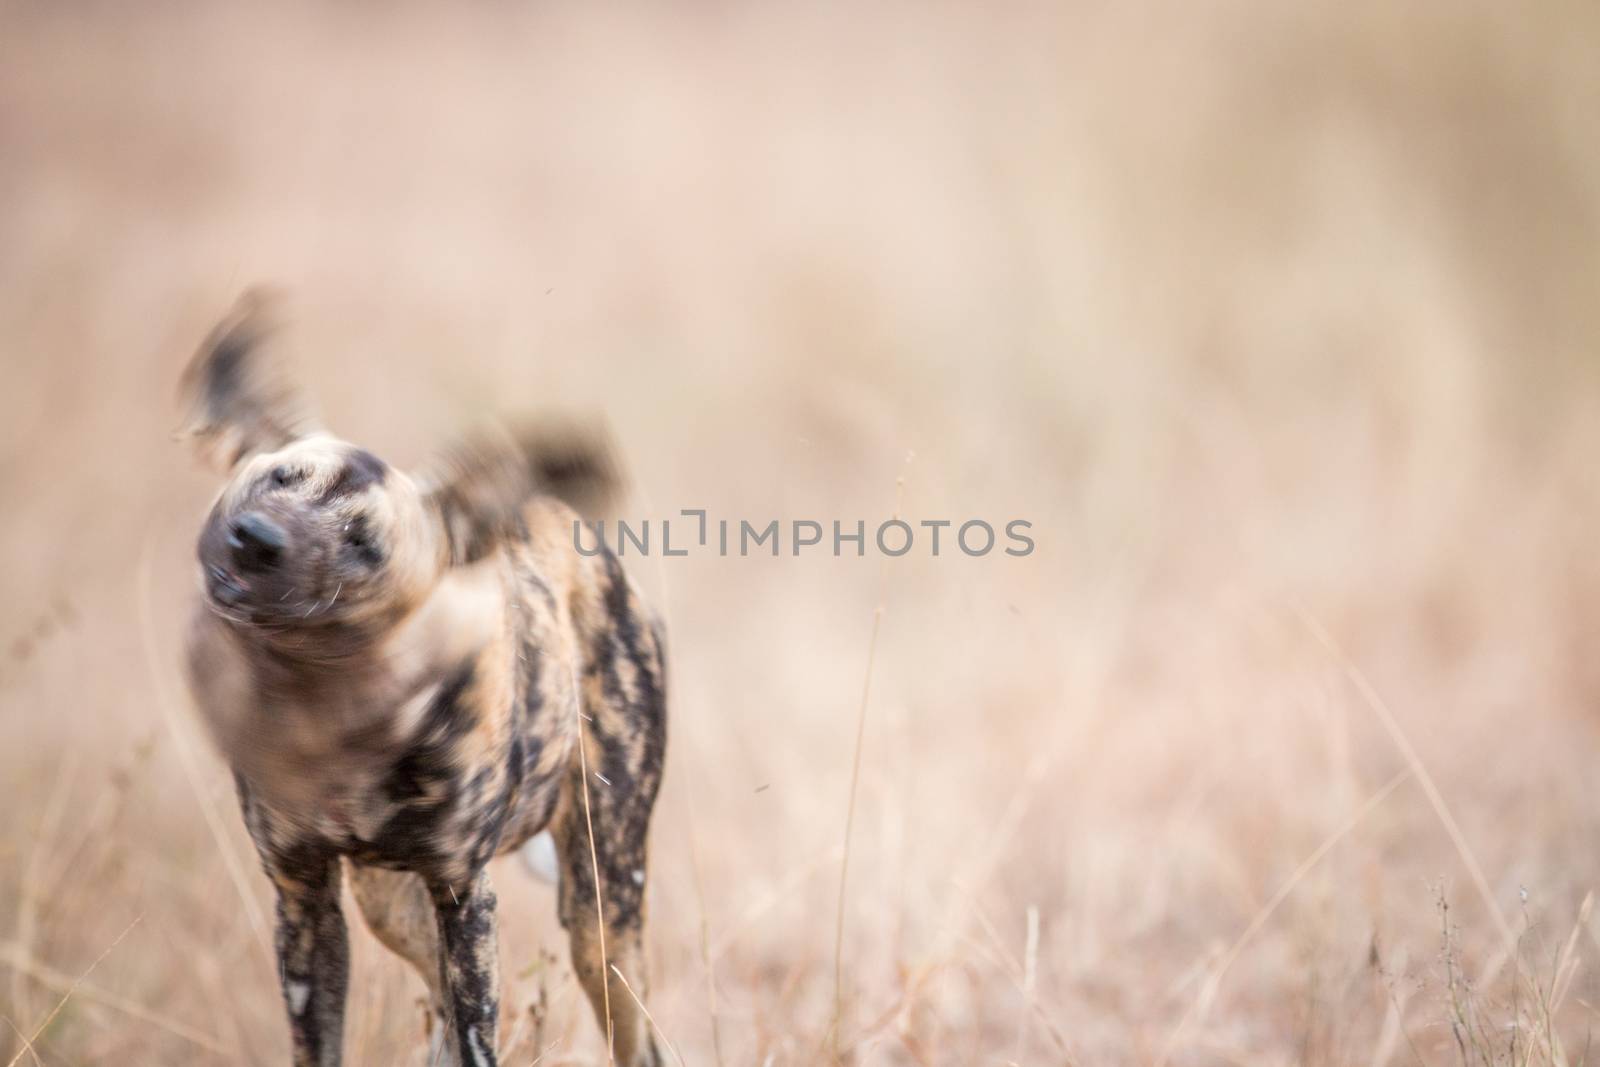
(361, 471)
(422, 782)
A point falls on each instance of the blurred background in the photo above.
(1278, 322)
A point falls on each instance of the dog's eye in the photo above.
(358, 539)
(285, 476)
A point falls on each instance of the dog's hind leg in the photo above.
(624, 758)
(603, 817)
(612, 933)
(400, 915)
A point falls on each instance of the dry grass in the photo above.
(1279, 324)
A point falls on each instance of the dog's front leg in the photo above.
(467, 956)
(313, 955)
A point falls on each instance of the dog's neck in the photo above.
(290, 717)
(462, 612)
(465, 611)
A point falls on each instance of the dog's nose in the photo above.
(256, 541)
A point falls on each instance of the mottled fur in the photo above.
(395, 666)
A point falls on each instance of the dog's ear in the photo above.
(573, 459)
(236, 398)
(478, 487)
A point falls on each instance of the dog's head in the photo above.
(311, 531)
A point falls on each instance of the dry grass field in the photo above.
(1278, 322)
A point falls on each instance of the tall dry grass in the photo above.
(1277, 322)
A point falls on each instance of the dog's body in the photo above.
(407, 701)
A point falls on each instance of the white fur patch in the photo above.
(480, 1058)
(299, 993)
(539, 856)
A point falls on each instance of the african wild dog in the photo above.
(395, 666)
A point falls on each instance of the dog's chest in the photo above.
(347, 817)
(433, 769)
(315, 784)
(449, 784)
